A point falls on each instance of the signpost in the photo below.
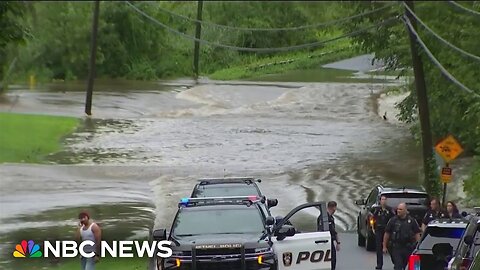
(449, 149)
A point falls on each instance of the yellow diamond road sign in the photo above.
(448, 148)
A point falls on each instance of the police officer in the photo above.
(404, 233)
(381, 215)
(433, 213)
(331, 208)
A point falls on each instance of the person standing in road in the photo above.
(89, 230)
(452, 210)
(331, 208)
(434, 213)
(403, 231)
(381, 216)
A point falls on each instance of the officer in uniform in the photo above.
(331, 208)
(435, 212)
(381, 215)
(403, 232)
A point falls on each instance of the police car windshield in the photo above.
(413, 199)
(225, 190)
(246, 220)
(435, 235)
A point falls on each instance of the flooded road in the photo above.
(143, 150)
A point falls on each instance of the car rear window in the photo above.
(435, 235)
(414, 199)
(226, 190)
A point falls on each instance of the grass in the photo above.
(281, 64)
(29, 138)
(315, 75)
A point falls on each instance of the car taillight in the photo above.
(414, 262)
(372, 221)
(466, 262)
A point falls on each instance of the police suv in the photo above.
(230, 186)
(438, 244)
(234, 233)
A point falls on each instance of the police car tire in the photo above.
(370, 243)
(361, 240)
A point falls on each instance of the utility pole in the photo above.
(423, 111)
(198, 31)
(93, 55)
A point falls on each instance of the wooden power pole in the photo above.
(422, 103)
(198, 31)
(93, 54)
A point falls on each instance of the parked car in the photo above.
(416, 200)
(469, 245)
(438, 244)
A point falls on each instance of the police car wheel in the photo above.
(370, 242)
(361, 238)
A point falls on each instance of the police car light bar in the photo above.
(231, 199)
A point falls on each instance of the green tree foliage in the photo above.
(452, 110)
(133, 47)
(12, 31)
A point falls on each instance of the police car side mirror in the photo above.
(284, 231)
(272, 202)
(360, 202)
(270, 221)
(160, 235)
(464, 214)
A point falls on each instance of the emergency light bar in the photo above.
(248, 180)
(217, 200)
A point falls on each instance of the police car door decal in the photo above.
(304, 251)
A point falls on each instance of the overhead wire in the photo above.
(465, 53)
(332, 22)
(437, 63)
(260, 50)
(471, 11)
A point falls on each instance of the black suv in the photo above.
(225, 187)
(416, 200)
(469, 245)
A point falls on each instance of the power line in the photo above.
(474, 12)
(259, 50)
(435, 61)
(439, 37)
(332, 22)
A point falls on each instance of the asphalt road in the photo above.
(353, 257)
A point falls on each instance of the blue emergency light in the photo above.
(184, 200)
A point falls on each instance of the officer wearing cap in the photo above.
(403, 232)
(381, 216)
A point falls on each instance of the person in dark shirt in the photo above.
(403, 232)
(331, 208)
(452, 210)
(434, 213)
(381, 216)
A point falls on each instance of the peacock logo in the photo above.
(27, 250)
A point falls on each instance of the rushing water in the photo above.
(144, 149)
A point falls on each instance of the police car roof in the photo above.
(449, 223)
(395, 189)
(228, 180)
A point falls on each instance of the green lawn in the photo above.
(29, 138)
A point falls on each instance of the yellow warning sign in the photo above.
(446, 175)
(449, 148)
